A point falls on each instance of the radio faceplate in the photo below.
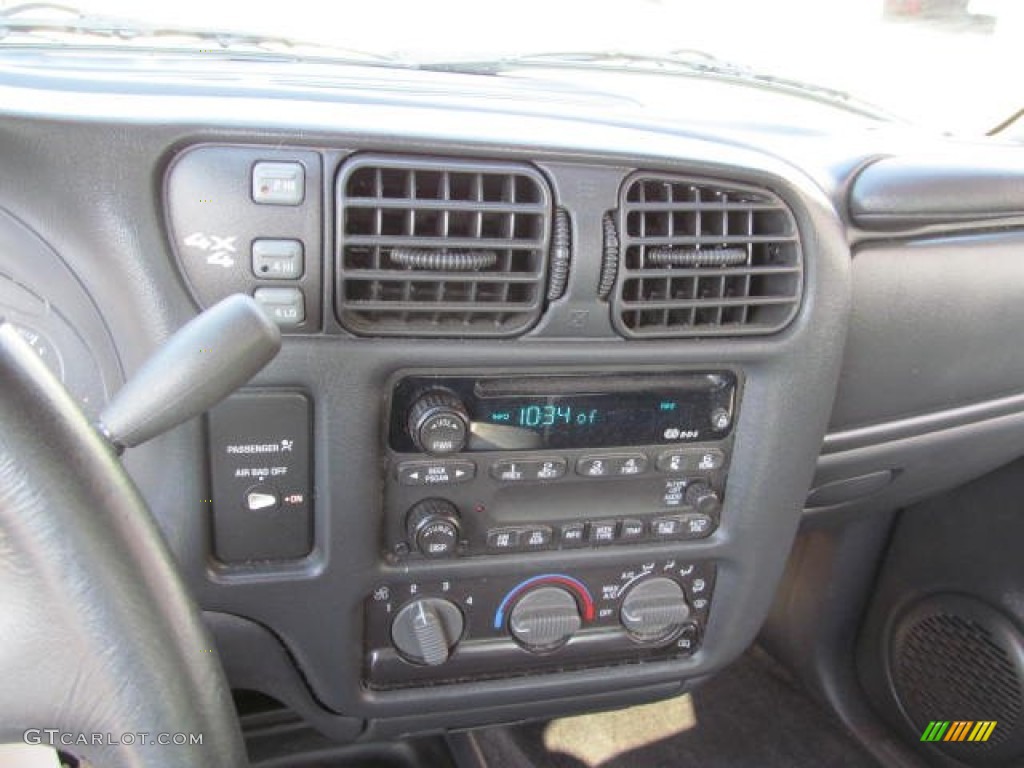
(611, 460)
(556, 412)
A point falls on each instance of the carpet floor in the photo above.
(752, 715)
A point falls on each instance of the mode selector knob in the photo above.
(655, 610)
(545, 619)
(426, 630)
(438, 423)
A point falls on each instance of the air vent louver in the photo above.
(441, 247)
(702, 259)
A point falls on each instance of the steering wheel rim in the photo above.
(100, 641)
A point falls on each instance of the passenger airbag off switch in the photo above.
(261, 475)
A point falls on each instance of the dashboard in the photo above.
(562, 378)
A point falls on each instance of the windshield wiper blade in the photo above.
(41, 19)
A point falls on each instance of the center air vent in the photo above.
(701, 259)
(441, 247)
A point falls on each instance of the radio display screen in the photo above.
(580, 421)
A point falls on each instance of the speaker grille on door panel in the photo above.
(954, 658)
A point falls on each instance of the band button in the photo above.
(503, 539)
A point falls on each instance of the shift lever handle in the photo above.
(207, 359)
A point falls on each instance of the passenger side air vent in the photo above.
(430, 247)
(701, 259)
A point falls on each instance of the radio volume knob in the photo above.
(438, 423)
(433, 527)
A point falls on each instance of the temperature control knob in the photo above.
(703, 498)
(432, 526)
(426, 630)
(654, 610)
(438, 423)
(545, 619)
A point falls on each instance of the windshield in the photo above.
(949, 65)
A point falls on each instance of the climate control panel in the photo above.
(428, 632)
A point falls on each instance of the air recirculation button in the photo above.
(654, 611)
(545, 619)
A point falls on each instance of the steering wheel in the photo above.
(102, 650)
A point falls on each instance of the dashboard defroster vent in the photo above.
(698, 258)
(440, 247)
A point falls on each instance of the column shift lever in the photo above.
(203, 362)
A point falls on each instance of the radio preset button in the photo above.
(435, 472)
(503, 539)
(633, 464)
(673, 462)
(574, 534)
(509, 471)
(594, 466)
(520, 470)
(707, 460)
(603, 532)
(546, 469)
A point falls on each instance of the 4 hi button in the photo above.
(277, 259)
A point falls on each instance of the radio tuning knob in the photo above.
(438, 423)
(433, 527)
(426, 630)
